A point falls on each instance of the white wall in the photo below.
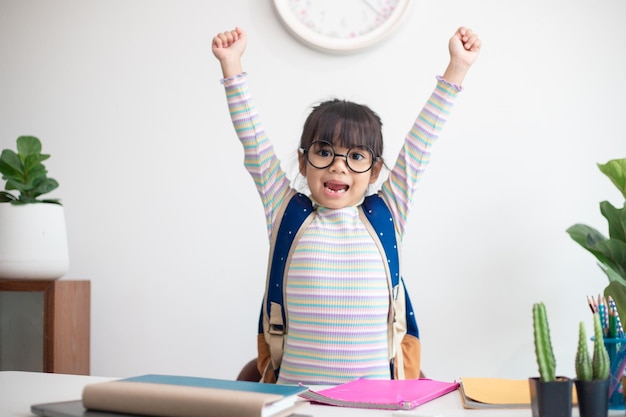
(165, 222)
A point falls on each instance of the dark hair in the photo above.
(343, 123)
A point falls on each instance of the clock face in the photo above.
(341, 25)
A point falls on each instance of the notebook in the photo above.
(76, 409)
(382, 394)
(70, 409)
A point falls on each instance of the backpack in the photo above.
(404, 344)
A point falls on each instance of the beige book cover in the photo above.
(174, 396)
(495, 392)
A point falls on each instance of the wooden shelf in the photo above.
(66, 322)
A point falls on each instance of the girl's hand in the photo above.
(464, 46)
(228, 47)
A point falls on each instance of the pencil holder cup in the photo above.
(616, 348)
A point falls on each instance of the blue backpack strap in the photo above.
(298, 209)
(379, 215)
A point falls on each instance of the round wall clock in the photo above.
(340, 26)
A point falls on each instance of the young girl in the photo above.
(336, 291)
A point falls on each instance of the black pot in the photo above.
(593, 397)
(551, 399)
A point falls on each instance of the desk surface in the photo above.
(19, 390)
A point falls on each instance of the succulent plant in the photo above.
(25, 173)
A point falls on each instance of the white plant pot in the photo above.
(33, 241)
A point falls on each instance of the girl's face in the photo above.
(337, 186)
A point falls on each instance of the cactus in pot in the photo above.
(596, 367)
(592, 373)
(550, 396)
(543, 344)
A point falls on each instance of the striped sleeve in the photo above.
(414, 156)
(260, 159)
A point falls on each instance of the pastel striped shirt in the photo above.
(336, 294)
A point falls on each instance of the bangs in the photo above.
(346, 124)
(343, 133)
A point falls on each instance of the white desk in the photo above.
(20, 390)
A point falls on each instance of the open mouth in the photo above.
(335, 187)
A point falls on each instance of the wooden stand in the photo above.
(66, 322)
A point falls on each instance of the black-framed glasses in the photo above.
(321, 154)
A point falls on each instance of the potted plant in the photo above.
(592, 373)
(33, 242)
(550, 396)
(610, 254)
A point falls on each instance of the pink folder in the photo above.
(382, 394)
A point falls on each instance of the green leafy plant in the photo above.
(609, 252)
(596, 367)
(24, 172)
(543, 344)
